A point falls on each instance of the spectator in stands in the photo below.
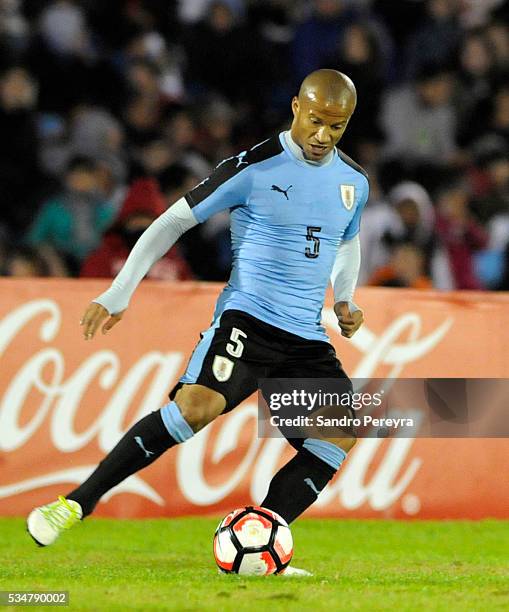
(475, 14)
(211, 237)
(153, 67)
(152, 158)
(419, 120)
(406, 268)
(273, 20)
(497, 33)
(145, 86)
(503, 284)
(495, 200)
(319, 36)
(111, 178)
(359, 56)
(223, 57)
(19, 171)
(407, 217)
(193, 11)
(476, 78)
(416, 214)
(436, 41)
(498, 124)
(142, 117)
(143, 204)
(14, 30)
(180, 128)
(214, 140)
(73, 221)
(63, 25)
(66, 60)
(459, 233)
(87, 131)
(143, 78)
(175, 182)
(182, 134)
(25, 262)
(95, 133)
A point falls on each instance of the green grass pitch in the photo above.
(358, 565)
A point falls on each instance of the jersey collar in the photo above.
(293, 148)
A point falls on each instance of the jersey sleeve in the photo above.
(355, 224)
(227, 186)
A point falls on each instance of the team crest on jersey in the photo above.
(222, 368)
(347, 195)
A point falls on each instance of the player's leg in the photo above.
(194, 407)
(298, 483)
(215, 380)
(211, 384)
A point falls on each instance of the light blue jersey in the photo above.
(288, 218)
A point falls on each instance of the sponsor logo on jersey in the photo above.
(241, 160)
(222, 368)
(347, 195)
(282, 191)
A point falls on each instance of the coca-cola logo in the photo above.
(61, 396)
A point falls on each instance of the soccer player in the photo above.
(296, 203)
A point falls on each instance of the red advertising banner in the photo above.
(65, 402)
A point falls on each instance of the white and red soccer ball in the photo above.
(253, 541)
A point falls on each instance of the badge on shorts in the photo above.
(222, 367)
(347, 195)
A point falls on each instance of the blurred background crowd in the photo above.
(110, 110)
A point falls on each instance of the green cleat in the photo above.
(46, 523)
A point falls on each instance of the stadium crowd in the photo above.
(111, 110)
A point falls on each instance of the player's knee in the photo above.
(199, 405)
(345, 443)
(345, 438)
(348, 443)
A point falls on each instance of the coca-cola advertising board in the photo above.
(65, 402)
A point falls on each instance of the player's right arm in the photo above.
(157, 240)
(227, 186)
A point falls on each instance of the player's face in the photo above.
(318, 127)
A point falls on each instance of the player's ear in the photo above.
(295, 106)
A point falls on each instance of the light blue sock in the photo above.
(326, 451)
(175, 423)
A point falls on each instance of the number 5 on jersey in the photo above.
(235, 348)
(313, 254)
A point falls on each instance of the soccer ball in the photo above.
(253, 541)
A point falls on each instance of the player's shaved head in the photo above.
(321, 112)
(328, 87)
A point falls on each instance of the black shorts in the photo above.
(239, 349)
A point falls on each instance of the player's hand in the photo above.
(349, 322)
(94, 315)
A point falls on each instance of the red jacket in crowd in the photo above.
(144, 199)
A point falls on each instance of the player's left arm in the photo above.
(345, 273)
(344, 280)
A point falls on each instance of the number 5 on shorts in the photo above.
(235, 348)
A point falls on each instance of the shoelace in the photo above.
(60, 514)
